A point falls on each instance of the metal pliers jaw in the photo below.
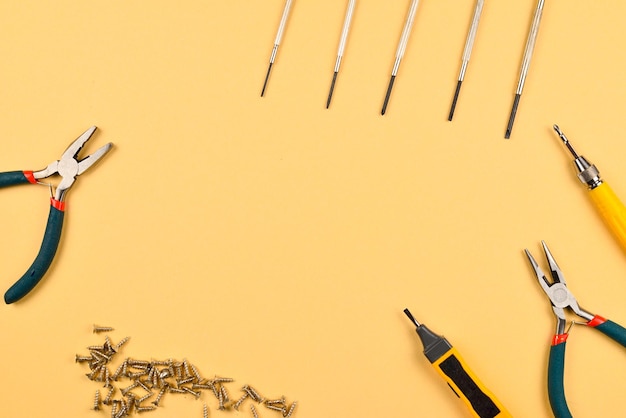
(561, 298)
(557, 291)
(69, 167)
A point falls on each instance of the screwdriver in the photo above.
(453, 369)
(608, 204)
(342, 45)
(467, 52)
(279, 37)
(528, 53)
(404, 39)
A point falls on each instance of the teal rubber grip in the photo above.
(613, 331)
(556, 367)
(11, 178)
(556, 391)
(40, 266)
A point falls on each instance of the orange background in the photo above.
(277, 242)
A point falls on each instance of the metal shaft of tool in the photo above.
(279, 37)
(404, 39)
(586, 172)
(408, 313)
(528, 53)
(467, 52)
(342, 46)
(566, 141)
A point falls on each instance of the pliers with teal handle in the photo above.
(561, 298)
(68, 167)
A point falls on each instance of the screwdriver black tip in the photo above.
(408, 313)
(267, 76)
(332, 88)
(456, 97)
(386, 102)
(509, 127)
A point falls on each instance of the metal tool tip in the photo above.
(546, 250)
(566, 141)
(509, 127)
(454, 100)
(388, 95)
(559, 132)
(267, 77)
(107, 147)
(408, 313)
(554, 267)
(534, 265)
(332, 88)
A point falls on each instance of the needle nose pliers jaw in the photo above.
(561, 298)
(68, 167)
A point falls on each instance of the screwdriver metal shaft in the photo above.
(404, 39)
(279, 36)
(528, 53)
(566, 141)
(342, 46)
(587, 172)
(467, 52)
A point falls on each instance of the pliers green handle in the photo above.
(561, 298)
(68, 167)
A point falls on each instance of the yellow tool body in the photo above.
(480, 401)
(608, 204)
(611, 209)
(468, 387)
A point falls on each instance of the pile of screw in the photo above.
(159, 377)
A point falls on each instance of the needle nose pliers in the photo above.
(68, 167)
(561, 298)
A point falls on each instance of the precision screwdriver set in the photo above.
(401, 49)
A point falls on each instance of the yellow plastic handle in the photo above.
(612, 210)
(479, 400)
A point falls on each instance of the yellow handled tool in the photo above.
(480, 401)
(608, 204)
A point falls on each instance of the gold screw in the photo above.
(159, 396)
(188, 390)
(253, 393)
(98, 329)
(240, 401)
(291, 409)
(121, 343)
(107, 400)
(96, 401)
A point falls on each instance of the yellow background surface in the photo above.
(276, 242)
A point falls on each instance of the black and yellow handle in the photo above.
(481, 402)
